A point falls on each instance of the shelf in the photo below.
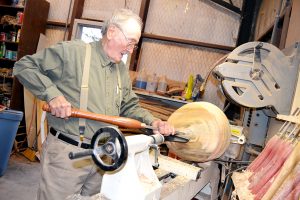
(155, 97)
(6, 24)
(7, 94)
(33, 23)
(12, 7)
(61, 24)
(10, 42)
(6, 59)
(6, 77)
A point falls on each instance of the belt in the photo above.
(69, 140)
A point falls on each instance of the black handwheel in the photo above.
(110, 148)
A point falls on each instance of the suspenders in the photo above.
(84, 92)
(119, 86)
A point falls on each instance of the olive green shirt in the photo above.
(57, 70)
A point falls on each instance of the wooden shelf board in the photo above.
(188, 42)
(12, 7)
(61, 24)
(6, 59)
(3, 76)
(6, 24)
(10, 42)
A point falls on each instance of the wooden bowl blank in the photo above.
(206, 126)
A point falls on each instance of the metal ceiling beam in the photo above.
(228, 6)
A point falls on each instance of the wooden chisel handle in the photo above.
(115, 120)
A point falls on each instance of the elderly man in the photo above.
(55, 75)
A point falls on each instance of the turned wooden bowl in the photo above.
(206, 126)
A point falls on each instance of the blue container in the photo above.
(9, 123)
(141, 84)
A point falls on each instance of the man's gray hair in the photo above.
(119, 19)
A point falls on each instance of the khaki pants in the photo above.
(62, 177)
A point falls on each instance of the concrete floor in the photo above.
(20, 180)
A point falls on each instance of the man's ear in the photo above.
(110, 32)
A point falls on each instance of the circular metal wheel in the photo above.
(110, 148)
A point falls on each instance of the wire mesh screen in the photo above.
(102, 9)
(176, 61)
(59, 10)
(54, 34)
(196, 20)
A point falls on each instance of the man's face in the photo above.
(122, 42)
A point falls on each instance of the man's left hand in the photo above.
(163, 127)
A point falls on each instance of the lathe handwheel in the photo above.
(110, 148)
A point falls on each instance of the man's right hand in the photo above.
(60, 107)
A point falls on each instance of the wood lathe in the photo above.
(201, 136)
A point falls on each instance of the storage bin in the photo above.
(9, 123)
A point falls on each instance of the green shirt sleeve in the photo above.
(35, 72)
(130, 106)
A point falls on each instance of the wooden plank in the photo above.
(293, 34)
(160, 116)
(182, 188)
(30, 117)
(39, 115)
(289, 118)
(285, 26)
(157, 109)
(265, 19)
(178, 167)
(60, 24)
(187, 42)
(158, 104)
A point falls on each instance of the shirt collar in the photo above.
(106, 62)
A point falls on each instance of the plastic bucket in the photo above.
(9, 123)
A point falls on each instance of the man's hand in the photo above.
(60, 107)
(163, 127)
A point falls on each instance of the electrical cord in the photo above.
(226, 176)
(234, 161)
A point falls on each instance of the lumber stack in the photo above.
(157, 109)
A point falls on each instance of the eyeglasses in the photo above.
(130, 45)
